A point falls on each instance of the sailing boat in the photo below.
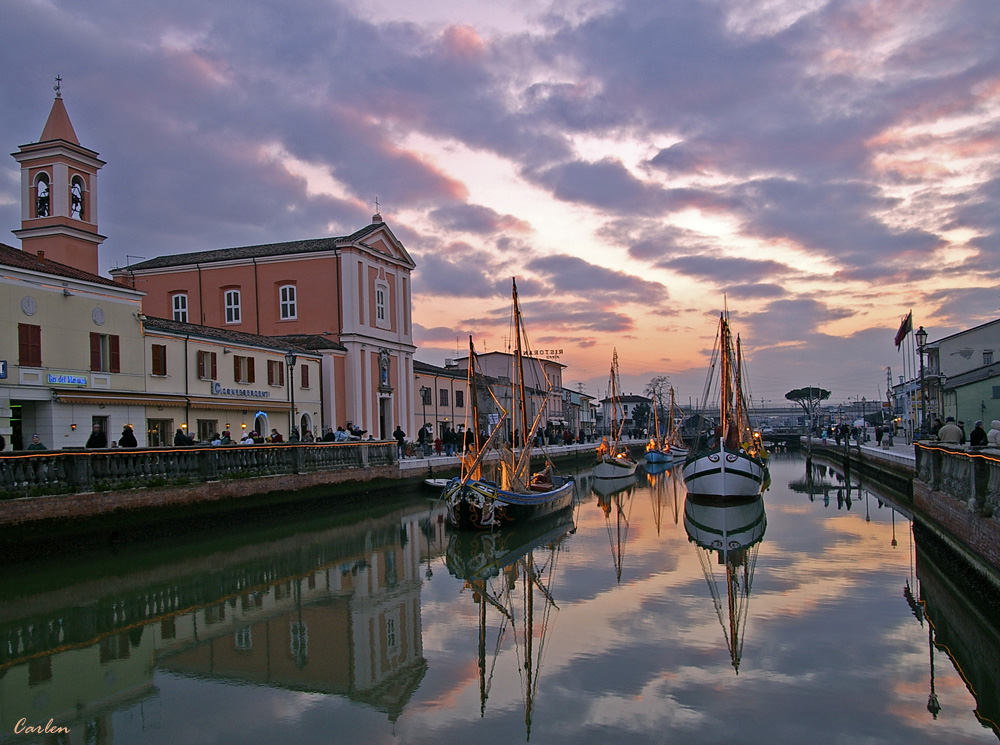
(613, 459)
(496, 486)
(732, 531)
(493, 565)
(666, 447)
(734, 462)
(657, 450)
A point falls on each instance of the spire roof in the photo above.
(58, 125)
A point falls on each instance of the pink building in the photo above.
(353, 290)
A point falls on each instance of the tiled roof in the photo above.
(312, 245)
(15, 257)
(316, 342)
(224, 335)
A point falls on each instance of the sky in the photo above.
(818, 168)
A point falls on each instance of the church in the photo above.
(344, 299)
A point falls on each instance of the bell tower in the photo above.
(59, 194)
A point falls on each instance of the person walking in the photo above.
(400, 436)
(950, 432)
(98, 438)
(978, 438)
(127, 440)
(993, 436)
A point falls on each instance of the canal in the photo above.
(368, 621)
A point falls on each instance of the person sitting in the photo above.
(182, 439)
(226, 438)
(36, 444)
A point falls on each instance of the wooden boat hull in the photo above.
(724, 473)
(482, 505)
(659, 456)
(609, 467)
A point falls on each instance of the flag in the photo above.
(904, 328)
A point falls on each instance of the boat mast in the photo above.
(519, 395)
(725, 380)
(741, 414)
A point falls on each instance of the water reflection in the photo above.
(336, 611)
(381, 625)
(510, 574)
(728, 533)
(614, 497)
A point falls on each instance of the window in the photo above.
(159, 364)
(459, 398)
(382, 304)
(443, 397)
(29, 345)
(105, 353)
(180, 303)
(996, 391)
(76, 198)
(287, 304)
(243, 369)
(207, 429)
(304, 376)
(42, 198)
(988, 357)
(233, 306)
(159, 432)
(425, 395)
(275, 372)
(207, 369)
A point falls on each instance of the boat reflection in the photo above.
(333, 611)
(511, 573)
(663, 481)
(615, 496)
(728, 533)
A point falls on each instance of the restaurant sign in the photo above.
(66, 379)
(218, 390)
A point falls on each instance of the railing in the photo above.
(969, 474)
(47, 472)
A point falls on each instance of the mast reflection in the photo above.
(730, 532)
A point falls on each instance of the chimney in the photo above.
(41, 255)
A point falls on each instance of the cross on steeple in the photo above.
(58, 86)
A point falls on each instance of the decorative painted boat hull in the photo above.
(482, 505)
(609, 467)
(659, 456)
(725, 473)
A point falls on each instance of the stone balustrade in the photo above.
(71, 471)
(971, 475)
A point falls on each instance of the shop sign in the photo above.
(218, 390)
(65, 379)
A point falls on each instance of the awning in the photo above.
(118, 398)
(148, 399)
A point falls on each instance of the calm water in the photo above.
(375, 624)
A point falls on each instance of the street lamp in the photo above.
(290, 361)
(425, 393)
(921, 337)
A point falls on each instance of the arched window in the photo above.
(43, 200)
(76, 191)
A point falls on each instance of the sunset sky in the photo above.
(824, 166)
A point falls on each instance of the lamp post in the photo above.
(425, 393)
(290, 361)
(921, 337)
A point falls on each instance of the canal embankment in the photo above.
(101, 487)
(953, 490)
